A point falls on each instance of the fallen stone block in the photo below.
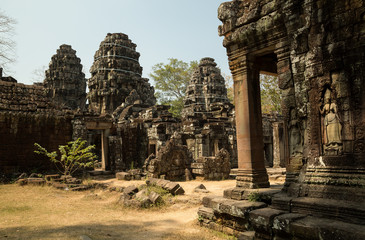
(124, 197)
(172, 187)
(51, 177)
(22, 176)
(79, 188)
(133, 203)
(36, 181)
(155, 197)
(141, 194)
(144, 201)
(59, 185)
(123, 176)
(22, 182)
(201, 189)
(179, 191)
(131, 190)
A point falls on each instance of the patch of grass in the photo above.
(254, 197)
(14, 209)
(259, 197)
(222, 235)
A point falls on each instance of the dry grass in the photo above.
(46, 213)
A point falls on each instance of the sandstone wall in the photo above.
(317, 50)
(26, 117)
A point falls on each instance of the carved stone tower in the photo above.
(65, 82)
(206, 88)
(115, 73)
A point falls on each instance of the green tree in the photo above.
(171, 81)
(74, 155)
(229, 85)
(270, 94)
(7, 45)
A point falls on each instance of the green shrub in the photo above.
(74, 155)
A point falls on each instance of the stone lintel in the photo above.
(99, 125)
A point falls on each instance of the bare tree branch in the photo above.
(7, 44)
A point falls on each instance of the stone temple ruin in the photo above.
(121, 118)
(317, 51)
(316, 48)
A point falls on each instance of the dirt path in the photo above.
(46, 213)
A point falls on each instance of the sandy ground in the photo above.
(46, 213)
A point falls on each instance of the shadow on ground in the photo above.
(117, 230)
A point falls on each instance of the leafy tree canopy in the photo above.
(270, 94)
(171, 81)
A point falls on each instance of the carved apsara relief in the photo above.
(331, 125)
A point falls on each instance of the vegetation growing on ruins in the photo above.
(7, 45)
(74, 156)
(171, 80)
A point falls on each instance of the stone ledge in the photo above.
(321, 228)
(334, 209)
(231, 207)
(238, 193)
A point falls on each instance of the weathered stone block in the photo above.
(130, 190)
(281, 223)
(124, 197)
(123, 176)
(155, 197)
(262, 220)
(51, 177)
(206, 213)
(36, 181)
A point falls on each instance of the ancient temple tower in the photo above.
(65, 82)
(208, 116)
(205, 88)
(115, 73)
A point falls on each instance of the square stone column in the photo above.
(250, 148)
(105, 149)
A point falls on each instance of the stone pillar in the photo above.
(250, 148)
(104, 149)
(276, 144)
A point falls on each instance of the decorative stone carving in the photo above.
(331, 126)
(295, 135)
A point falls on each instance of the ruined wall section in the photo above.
(26, 117)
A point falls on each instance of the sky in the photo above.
(162, 29)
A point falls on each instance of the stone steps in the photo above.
(231, 207)
(352, 212)
(292, 218)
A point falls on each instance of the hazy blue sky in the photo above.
(184, 29)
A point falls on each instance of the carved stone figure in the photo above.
(331, 127)
(295, 136)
